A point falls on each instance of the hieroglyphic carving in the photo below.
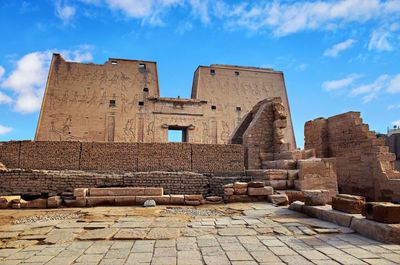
(213, 138)
(205, 132)
(140, 128)
(129, 131)
(225, 132)
(150, 131)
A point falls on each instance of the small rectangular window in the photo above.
(141, 103)
(213, 107)
(142, 66)
(145, 89)
(238, 109)
(114, 62)
(237, 73)
(112, 103)
(212, 71)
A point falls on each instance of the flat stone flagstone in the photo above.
(277, 237)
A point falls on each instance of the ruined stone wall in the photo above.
(136, 157)
(37, 182)
(119, 101)
(364, 165)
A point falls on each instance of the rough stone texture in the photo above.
(364, 165)
(264, 191)
(348, 203)
(149, 203)
(382, 212)
(316, 197)
(317, 173)
(278, 199)
(54, 202)
(117, 157)
(38, 203)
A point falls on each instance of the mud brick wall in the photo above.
(52, 182)
(117, 157)
(49, 155)
(9, 153)
(109, 156)
(164, 157)
(364, 164)
(212, 158)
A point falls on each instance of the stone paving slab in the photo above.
(263, 235)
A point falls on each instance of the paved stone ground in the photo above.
(254, 233)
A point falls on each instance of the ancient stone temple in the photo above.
(120, 101)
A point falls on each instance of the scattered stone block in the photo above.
(214, 198)
(177, 199)
(229, 191)
(54, 202)
(316, 197)
(294, 195)
(38, 203)
(240, 185)
(126, 191)
(388, 233)
(238, 198)
(100, 201)
(278, 199)
(81, 192)
(125, 201)
(230, 185)
(384, 212)
(16, 205)
(240, 191)
(193, 197)
(255, 184)
(348, 203)
(5, 201)
(264, 191)
(162, 200)
(149, 203)
(286, 164)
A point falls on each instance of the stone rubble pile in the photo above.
(246, 192)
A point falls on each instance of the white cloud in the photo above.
(380, 41)
(396, 123)
(340, 83)
(370, 91)
(4, 129)
(339, 47)
(200, 8)
(64, 12)
(150, 11)
(394, 85)
(4, 99)
(28, 78)
(393, 106)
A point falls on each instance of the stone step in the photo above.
(268, 174)
(126, 191)
(280, 164)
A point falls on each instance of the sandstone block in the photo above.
(81, 202)
(193, 203)
(229, 191)
(100, 201)
(54, 202)
(38, 203)
(214, 198)
(230, 185)
(241, 191)
(286, 164)
(16, 205)
(128, 191)
(278, 199)
(255, 184)
(153, 191)
(125, 200)
(316, 197)
(260, 191)
(292, 174)
(177, 199)
(290, 184)
(239, 185)
(295, 195)
(277, 184)
(5, 201)
(383, 212)
(348, 203)
(81, 192)
(196, 197)
(161, 200)
(149, 203)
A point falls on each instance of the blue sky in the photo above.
(337, 56)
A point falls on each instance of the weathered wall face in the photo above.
(393, 141)
(37, 182)
(134, 157)
(364, 165)
(79, 102)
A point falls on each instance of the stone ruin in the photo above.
(256, 159)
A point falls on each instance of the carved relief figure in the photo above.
(225, 132)
(150, 130)
(205, 133)
(129, 131)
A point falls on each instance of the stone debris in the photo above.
(193, 211)
(383, 212)
(348, 203)
(47, 218)
(279, 199)
(316, 197)
(149, 203)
